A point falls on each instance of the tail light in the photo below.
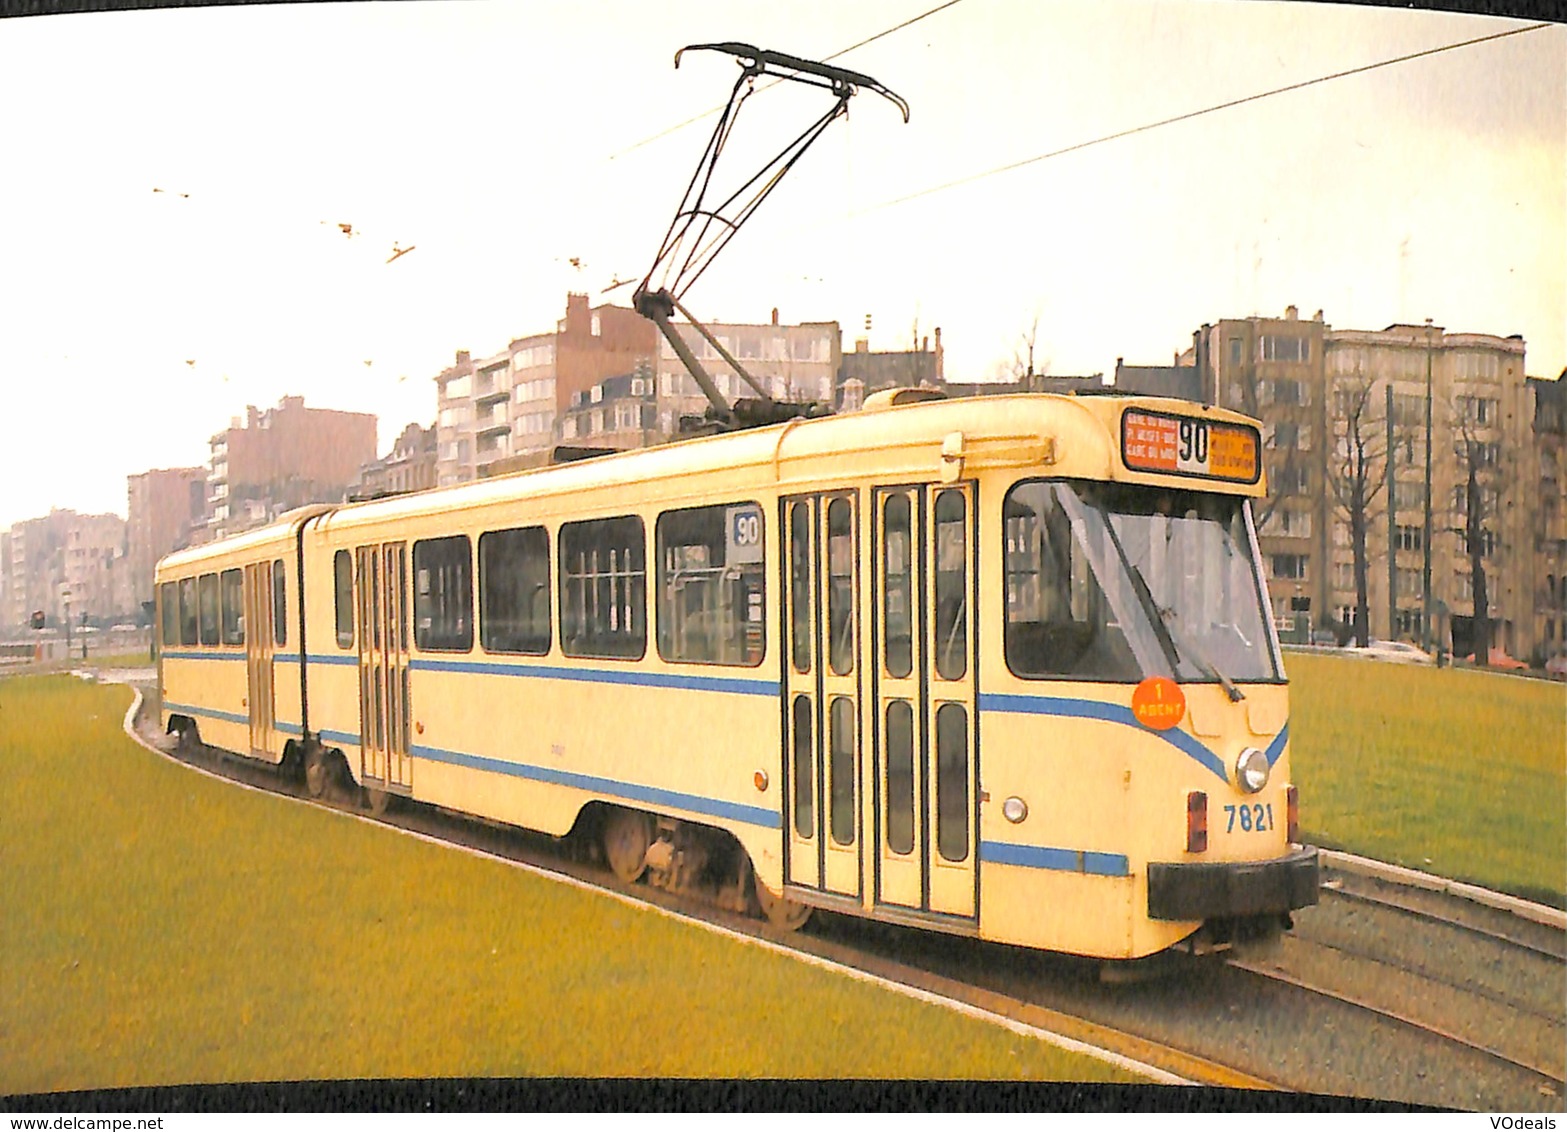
(1196, 822)
(1292, 810)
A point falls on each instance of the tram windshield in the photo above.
(1117, 582)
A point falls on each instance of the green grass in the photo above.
(1452, 771)
(160, 927)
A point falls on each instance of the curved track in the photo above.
(1384, 990)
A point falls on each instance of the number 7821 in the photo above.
(1256, 817)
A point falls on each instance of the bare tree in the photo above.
(1357, 474)
(1475, 502)
(1025, 364)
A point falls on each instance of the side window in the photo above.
(169, 625)
(232, 590)
(188, 611)
(603, 588)
(343, 591)
(443, 594)
(207, 602)
(711, 593)
(514, 591)
(279, 604)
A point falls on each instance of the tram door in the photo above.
(382, 612)
(259, 639)
(925, 770)
(821, 756)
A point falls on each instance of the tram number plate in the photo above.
(1190, 446)
(1254, 818)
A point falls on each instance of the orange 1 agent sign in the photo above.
(1159, 703)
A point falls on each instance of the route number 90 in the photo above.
(1193, 438)
(743, 531)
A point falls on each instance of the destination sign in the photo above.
(1190, 446)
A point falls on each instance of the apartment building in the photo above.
(67, 565)
(95, 574)
(164, 507)
(504, 408)
(618, 412)
(34, 567)
(408, 466)
(1547, 483)
(792, 362)
(1322, 396)
(274, 461)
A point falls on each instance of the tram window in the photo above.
(840, 586)
(951, 586)
(1058, 620)
(207, 606)
(279, 604)
(343, 595)
(801, 770)
(514, 591)
(232, 598)
(842, 769)
(188, 611)
(952, 781)
(898, 586)
(711, 592)
(800, 602)
(900, 776)
(443, 594)
(603, 588)
(169, 624)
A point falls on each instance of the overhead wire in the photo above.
(1234, 102)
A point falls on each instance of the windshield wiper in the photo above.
(1198, 654)
(1145, 597)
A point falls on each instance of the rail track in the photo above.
(1385, 991)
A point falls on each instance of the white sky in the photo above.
(502, 140)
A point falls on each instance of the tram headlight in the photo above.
(1251, 770)
(1014, 810)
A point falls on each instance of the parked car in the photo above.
(1500, 660)
(1399, 652)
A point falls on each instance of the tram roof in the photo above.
(1012, 430)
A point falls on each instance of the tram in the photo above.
(998, 666)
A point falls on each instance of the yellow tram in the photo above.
(997, 666)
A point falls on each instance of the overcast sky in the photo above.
(504, 140)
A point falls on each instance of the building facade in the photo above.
(69, 566)
(1323, 395)
(1549, 488)
(408, 466)
(283, 458)
(499, 412)
(792, 362)
(618, 412)
(164, 506)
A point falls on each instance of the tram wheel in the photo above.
(627, 835)
(186, 740)
(781, 912)
(318, 770)
(377, 801)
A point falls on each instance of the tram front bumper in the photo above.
(1226, 889)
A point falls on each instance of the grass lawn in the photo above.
(164, 928)
(1452, 771)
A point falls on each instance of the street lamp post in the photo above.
(1425, 570)
(66, 597)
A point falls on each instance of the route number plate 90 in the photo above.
(1190, 446)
